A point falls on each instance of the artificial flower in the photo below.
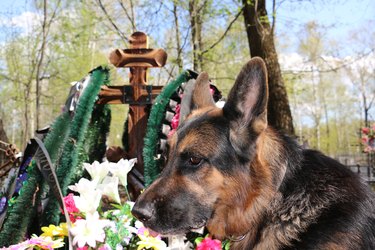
(119, 247)
(365, 130)
(83, 248)
(83, 186)
(89, 201)
(209, 244)
(69, 204)
(368, 139)
(38, 242)
(98, 171)
(89, 231)
(179, 242)
(55, 231)
(147, 241)
(121, 169)
(71, 207)
(105, 247)
(109, 187)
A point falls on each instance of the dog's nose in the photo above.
(143, 212)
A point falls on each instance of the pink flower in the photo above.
(209, 244)
(83, 248)
(364, 139)
(71, 207)
(175, 120)
(365, 130)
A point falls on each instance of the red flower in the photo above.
(71, 207)
(209, 244)
(83, 248)
(365, 130)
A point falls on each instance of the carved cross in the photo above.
(138, 58)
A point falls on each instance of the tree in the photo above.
(261, 43)
(362, 70)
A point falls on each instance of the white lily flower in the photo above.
(88, 202)
(121, 169)
(89, 231)
(109, 187)
(83, 186)
(98, 171)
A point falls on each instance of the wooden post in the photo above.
(138, 95)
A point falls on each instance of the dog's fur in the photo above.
(228, 170)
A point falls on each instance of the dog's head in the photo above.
(214, 175)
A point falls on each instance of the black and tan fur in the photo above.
(228, 170)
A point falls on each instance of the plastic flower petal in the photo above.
(38, 242)
(89, 231)
(84, 185)
(89, 201)
(46, 242)
(148, 242)
(71, 207)
(105, 247)
(208, 243)
(109, 187)
(69, 204)
(52, 230)
(121, 169)
(98, 171)
(83, 248)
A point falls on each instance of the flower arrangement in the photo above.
(368, 139)
(101, 219)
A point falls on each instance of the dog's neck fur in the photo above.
(282, 156)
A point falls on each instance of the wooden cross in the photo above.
(138, 58)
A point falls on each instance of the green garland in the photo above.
(94, 146)
(151, 168)
(69, 161)
(98, 133)
(21, 213)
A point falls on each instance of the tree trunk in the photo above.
(3, 135)
(196, 16)
(3, 138)
(261, 43)
(38, 77)
(178, 41)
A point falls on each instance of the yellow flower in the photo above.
(148, 242)
(52, 230)
(64, 228)
(43, 242)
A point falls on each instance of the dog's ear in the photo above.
(246, 107)
(201, 94)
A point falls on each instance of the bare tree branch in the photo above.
(130, 17)
(120, 33)
(273, 17)
(225, 32)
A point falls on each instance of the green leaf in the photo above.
(198, 240)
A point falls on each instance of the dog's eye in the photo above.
(195, 161)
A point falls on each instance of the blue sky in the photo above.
(340, 16)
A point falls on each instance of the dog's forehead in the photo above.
(201, 130)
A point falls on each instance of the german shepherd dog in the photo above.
(231, 172)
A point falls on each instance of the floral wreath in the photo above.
(368, 139)
(101, 218)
